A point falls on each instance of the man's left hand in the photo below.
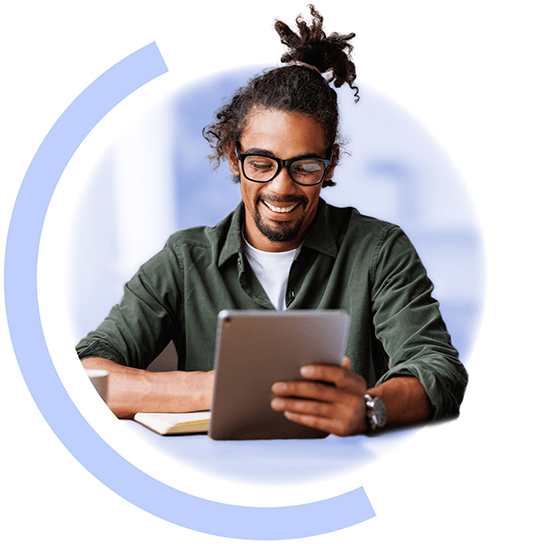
(337, 407)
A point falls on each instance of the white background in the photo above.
(471, 72)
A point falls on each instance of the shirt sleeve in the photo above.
(409, 325)
(141, 325)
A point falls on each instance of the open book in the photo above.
(192, 422)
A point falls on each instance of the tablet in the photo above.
(253, 350)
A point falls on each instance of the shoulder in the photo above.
(189, 247)
(195, 236)
(204, 237)
(369, 238)
(348, 220)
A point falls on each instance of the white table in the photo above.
(270, 461)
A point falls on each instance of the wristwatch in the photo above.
(376, 415)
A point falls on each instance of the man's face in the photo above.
(278, 213)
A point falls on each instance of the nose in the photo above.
(282, 184)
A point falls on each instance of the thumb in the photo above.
(346, 363)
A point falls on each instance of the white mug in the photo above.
(99, 379)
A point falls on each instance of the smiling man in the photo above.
(285, 248)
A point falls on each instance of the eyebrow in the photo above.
(266, 153)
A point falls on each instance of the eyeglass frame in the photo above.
(283, 163)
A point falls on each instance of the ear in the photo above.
(233, 161)
(335, 159)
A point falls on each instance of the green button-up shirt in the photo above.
(347, 261)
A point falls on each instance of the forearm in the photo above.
(132, 390)
(405, 400)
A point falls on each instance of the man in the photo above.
(285, 248)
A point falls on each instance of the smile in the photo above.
(277, 209)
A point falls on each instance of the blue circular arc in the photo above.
(20, 284)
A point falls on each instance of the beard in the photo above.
(279, 231)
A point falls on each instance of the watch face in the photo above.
(376, 412)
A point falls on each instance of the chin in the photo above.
(279, 232)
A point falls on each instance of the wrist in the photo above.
(405, 399)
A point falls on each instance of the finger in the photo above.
(331, 426)
(299, 406)
(339, 375)
(307, 390)
(346, 363)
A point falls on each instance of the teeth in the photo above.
(280, 210)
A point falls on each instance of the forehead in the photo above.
(285, 134)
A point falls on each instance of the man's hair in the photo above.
(297, 88)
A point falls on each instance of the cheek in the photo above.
(248, 195)
(313, 197)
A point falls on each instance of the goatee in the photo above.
(279, 231)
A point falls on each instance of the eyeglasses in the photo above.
(262, 168)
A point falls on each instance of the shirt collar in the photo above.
(320, 235)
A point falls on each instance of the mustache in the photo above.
(290, 199)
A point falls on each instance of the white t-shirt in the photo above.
(272, 271)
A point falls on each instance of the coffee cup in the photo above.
(99, 379)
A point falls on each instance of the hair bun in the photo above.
(313, 48)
